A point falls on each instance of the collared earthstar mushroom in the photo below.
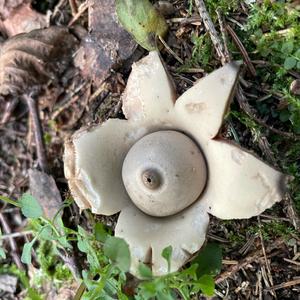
(164, 168)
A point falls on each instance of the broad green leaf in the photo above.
(167, 254)
(290, 63)
(83, 245)
(166, 295)
(100, 232)
(207, 285)
(145, 271)
(64, 242)
(117, 250)
(298, 65)
(209, 260)
(47, 234)
(26, 253)
(30, 206)
(2, 253)
(142, 20)
(297, 54)
(287, 47)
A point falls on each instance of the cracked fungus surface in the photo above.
(235, 183)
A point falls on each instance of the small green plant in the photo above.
(107, 261)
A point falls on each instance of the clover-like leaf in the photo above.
(290, 63)
(30, 206)
(117, 250)
(26, 253)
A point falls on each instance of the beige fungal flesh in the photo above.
(164, 172)
(229, 181)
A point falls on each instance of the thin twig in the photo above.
(242, 49)
(74, 7)
(292, 213)
(284, 285)
(211, 30)
(38, 133)
(9, 108)
(82, 8)
(267, 263)
(12, 243)
(253, 257)
(224, 35)
(170, 50)
(15, 234)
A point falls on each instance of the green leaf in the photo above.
(297, 54)
(207, 285)
(117, 250)
(298, 65)
(209, 260)
(287, 47)
(47, 233)
(145, 271)
(64, 242)
(142, 20)
(167, 254)
(100, 232)
(83, 245)
(30, 206)
(284, 115)
(2, 253)
(290, 63)
(26, 253)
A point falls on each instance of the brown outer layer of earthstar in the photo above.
(239, 185)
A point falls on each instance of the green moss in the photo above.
(50, 264)
(273, 229)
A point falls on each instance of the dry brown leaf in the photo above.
(106, 45)
(17, 16)
(31, 59)
(23, 19)
(44, 189)
(7, 6)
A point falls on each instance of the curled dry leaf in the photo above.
(31, 59)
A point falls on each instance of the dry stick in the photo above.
(292, 213)
(170, 50)
(82, 8)
(13, 246)
(9, 108)
(211, 30)
(15, 234)
(285, 285)
(267, 263)
(254, 257)
(224, 35)
(40, 147)
(241, 47)
(74, 7)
